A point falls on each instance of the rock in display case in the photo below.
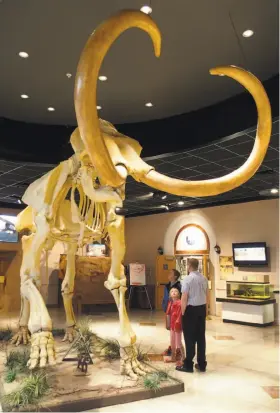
(249, 290)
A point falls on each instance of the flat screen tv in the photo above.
(249, 253)
(7, 228)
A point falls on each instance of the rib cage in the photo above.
(91, 214)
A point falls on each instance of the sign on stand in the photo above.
(137, 273)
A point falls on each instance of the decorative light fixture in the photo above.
(24, 96)
(248, 33)
(51, 109)
(146, 9)
(181, 202)
(102, 78)
(69, 75)
(149, 104)
(274, 191)
(24, 55)
(98, 107)
(217, 249)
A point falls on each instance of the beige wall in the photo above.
(253, 221)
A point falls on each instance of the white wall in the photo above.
(253, 221)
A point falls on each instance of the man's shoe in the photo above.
(200, 369)
(167, 352)
(184, 369)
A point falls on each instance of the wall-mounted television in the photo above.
(249, 253)
(7, 228)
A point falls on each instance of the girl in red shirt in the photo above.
(175, 314)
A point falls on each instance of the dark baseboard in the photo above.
(244, 323)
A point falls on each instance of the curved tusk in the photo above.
(247, 170)
(86, 82)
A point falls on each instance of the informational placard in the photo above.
(137, 274)
(226, 267)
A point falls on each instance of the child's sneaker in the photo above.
(167, 352)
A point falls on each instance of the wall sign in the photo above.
(137, 274)
(191, 239)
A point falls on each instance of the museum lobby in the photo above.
(139, 155)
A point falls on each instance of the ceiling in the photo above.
(213, 160)
(197, 35)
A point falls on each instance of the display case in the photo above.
(260, 291)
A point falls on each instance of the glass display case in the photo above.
(260, 291)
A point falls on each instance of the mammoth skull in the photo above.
(85, 105)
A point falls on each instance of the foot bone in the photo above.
(21, 337)
(42, 350)
(130, 365)
(70, 334)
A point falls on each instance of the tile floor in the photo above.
(242, 373)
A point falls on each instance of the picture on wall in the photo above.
(8, 232)
(96, 250)
(226, 267)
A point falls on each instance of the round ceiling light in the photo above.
(98, 107)
(248, 33)
(24, 96)
(146, 9)
(51, 109)
(102, 78)
(69, 75)
(24, 55)
(149, 104)
(274, 191)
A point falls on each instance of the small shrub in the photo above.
(152, 381)
(33, 388)
(108, 349)
(6, 334)
(10, 376)
(17, 360)
(58, 332)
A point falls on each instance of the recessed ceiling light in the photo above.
(149, 104)
(274, 191)
(24, 55)
(69, 75)
(24, 96)
(146, 9)
(102, 78)
(50, 109)
(248, 33)
(98, 107)
(181, 202)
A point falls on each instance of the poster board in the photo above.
(226, 267)
(137, 274)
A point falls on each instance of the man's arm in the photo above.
(184, 302)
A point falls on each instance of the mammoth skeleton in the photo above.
(97, 172)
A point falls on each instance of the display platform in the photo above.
(74, 391)
(251, 312)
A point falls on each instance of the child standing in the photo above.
(175, 313)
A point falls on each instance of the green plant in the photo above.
(142, 355)
(33, 388)
(17, 360)
(58, 332)
(108, 349)
(10, 376)
(5, 334)
(82, 346)
(152, 381)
